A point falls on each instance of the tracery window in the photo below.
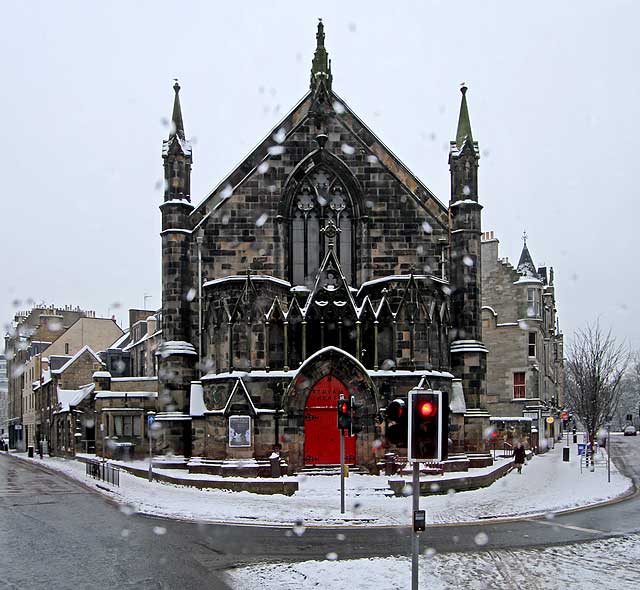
(321, 196)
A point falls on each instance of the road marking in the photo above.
(567, 526)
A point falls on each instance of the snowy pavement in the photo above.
(547, 484)
(556, 568)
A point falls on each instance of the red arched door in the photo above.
(321, 434)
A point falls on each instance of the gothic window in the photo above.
(321, 197)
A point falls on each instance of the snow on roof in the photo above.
(143, 339)
(123, 394)
(510, 419)
(243, 278)
(121, 339)
(72, 397)
(154, 378)
(401, 278)
(176, 347)
(103, 374)
(525, 280)
(75, 357)
(171, 417)
(248, 375)
(464, 202)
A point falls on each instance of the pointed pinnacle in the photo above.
(464, 124)
(321, 65)
(177, 127)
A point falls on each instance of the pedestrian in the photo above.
(519, 455)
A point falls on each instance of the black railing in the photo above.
(104, 472)
(501, 449)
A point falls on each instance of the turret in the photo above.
(176, 354)
(465, 240)
(468, 353)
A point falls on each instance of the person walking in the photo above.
(519, 455)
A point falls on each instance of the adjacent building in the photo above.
(4, 399)
(525, 368)
(41, 342)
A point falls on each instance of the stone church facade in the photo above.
(320, 266)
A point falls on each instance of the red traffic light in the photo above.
(343, 407)
(427, 409)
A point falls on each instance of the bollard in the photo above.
(566, 453)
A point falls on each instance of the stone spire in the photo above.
(177, 126)
(464, 124)
(176, 153)
(321, 66)
(526, 267)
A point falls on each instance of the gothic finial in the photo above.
(524, 237)
(177, 126)
(321, 65)
(464, 124)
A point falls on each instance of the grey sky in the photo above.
(553, 97)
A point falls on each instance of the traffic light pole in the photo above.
(415, 539)
(341, 471)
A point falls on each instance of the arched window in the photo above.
(320, 196)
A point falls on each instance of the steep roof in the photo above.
(75, 357)
(526, 267)
(321, 83)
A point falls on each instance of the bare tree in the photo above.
(596, 364)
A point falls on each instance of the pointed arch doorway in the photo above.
(321, 434)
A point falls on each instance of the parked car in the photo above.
(630, 431)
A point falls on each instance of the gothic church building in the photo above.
(320, 266)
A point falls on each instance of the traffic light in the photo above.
(396, 423)
(344, 414)
(355, 425)
(428, 425)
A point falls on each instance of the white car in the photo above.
(630, 431)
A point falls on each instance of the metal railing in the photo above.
(104, 472)
(502, 449)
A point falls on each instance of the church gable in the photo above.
(313, 175)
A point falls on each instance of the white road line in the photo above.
(567, 526)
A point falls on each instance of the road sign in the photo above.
(550, 420)
(564, 415)
(150, 420)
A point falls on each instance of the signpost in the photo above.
(150, 420)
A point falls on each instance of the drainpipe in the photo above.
(199, 241)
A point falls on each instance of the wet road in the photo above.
(53, 528)
(55, 533)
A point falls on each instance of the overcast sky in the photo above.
(86, 92)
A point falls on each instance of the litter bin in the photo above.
(566, 453)
(274, 460)
(30, 451)
(390, 463)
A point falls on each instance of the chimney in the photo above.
(102, 379)
(151, 325)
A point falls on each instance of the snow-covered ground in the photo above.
(547, 484)
(612, 563)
